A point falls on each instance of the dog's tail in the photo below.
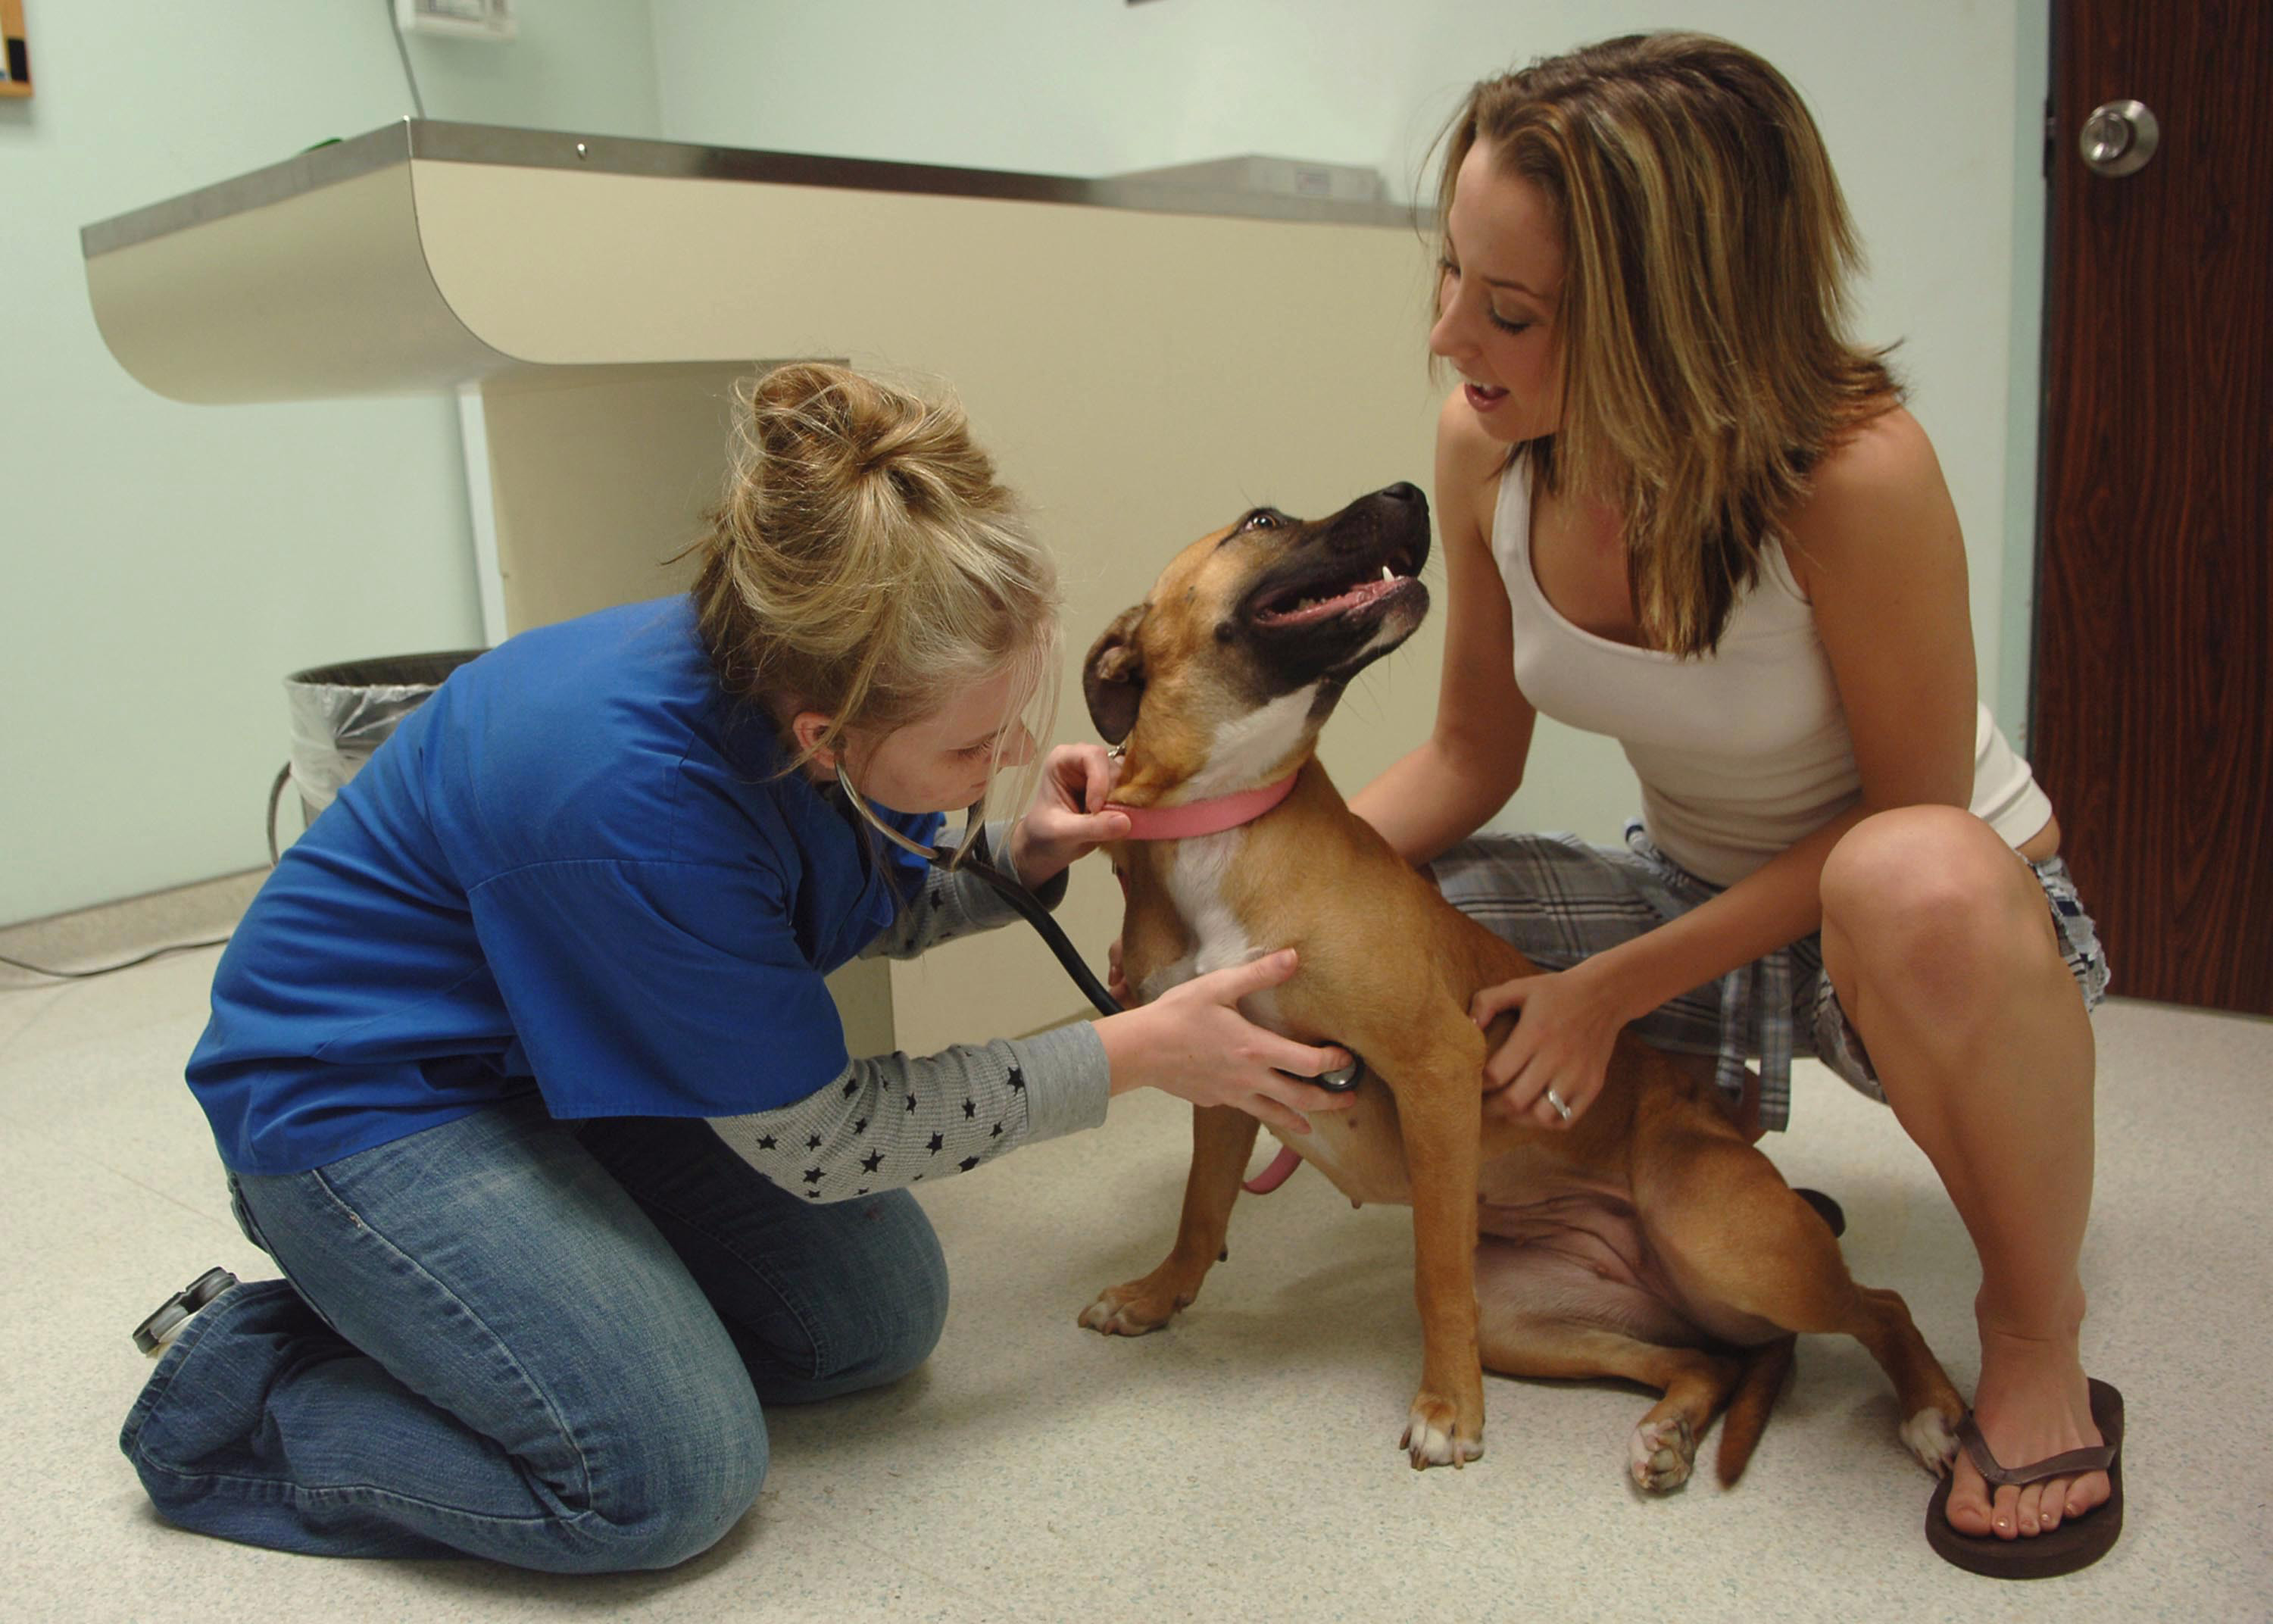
(1766, 1371)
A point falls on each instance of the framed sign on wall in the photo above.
(15, 55)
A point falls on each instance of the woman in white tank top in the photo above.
(1679, 505)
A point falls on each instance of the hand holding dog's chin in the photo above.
(1068, 819)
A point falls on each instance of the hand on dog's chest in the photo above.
(1219, 938)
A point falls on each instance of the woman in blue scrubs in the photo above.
(523, 1071)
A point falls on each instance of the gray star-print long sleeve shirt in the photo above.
(896, 1120)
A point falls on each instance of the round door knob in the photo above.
(2119, 138)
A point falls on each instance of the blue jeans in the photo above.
(546, 1343)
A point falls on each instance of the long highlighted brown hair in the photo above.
(1703, 318)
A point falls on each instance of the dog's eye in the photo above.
(1261, 519)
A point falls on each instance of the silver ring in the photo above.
(1561, 1110)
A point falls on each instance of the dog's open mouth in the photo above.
(1307, 603)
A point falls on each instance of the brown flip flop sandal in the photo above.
(2076, 1543)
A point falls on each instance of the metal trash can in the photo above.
(341, 713)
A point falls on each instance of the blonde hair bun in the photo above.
(864, 561)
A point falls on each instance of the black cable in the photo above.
(403, 51)
(81, 975)
(275, 793)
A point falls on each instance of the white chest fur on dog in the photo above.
(1248, 747)
(1242, 750)
(1220, 940)
(1195, 878)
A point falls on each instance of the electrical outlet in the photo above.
(463, 20)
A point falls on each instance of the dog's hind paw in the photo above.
(1660, 1454)
(1133, 1309)
(1433, 1436)
(1932, 1436)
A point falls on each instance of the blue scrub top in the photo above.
(574, 870)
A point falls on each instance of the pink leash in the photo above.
(1278, 1173)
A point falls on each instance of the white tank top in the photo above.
(1741, 754)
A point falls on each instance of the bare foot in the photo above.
(2032, 1403)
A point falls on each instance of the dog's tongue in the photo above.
(1321, 609)
(1270, 1178)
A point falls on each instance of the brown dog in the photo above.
(1649, 1242)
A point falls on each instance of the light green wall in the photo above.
(574, 64)
(165, 565)
(1917, 103)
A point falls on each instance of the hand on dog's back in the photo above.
(1193, 1042)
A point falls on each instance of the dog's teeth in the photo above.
(1388, 573)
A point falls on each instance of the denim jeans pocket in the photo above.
(244, 1214)
(241, 1210)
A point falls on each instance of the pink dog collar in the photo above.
(1210, 817)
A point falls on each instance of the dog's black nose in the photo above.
(1404, 490)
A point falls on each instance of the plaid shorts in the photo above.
(1557, 900)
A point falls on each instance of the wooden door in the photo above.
(2153, 698)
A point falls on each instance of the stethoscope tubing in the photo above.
(969, 857)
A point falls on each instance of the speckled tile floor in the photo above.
(1240, 1464)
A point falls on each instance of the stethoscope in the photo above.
(971, 857)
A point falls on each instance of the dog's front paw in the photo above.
(1437, 1435)
(1135, 1308)
(1660, 1454)
(1932, 1436)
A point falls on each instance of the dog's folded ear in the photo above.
(1112, 682)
